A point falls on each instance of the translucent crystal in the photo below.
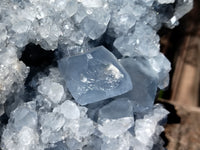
(96, 23)
(22, 131)
(144, 79)
(24, 115)
(54, 91)
(57, 121)
(119, 108)
(68, 109)
(93, 4)
(149, 125)
(86, 127)
(51, 123)
(123, 21)
(162, 66)
(116, 118)
(71, 6)
(94, 76)
(26, 138)
(135, 44)
(183, 7)
(166, 1)
(58, 146)
(124, 141)
(12, 73)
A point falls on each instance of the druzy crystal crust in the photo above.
(96, 87)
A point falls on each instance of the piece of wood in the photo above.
(183, 135)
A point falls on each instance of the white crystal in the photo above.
(183, 7)
(93, 3)
(166, 1)
(95, 24)
(148, 127)
(54, 91)
(27, 137)
(54, 121)
(135, 44)
(51, 124)
(24, 115)
(162, 66)
(68, 109)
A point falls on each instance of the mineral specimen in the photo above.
(98, 91)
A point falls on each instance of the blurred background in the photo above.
(182, 98)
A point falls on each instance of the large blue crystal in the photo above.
(145, 82)
(94, 76)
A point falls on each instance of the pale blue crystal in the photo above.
(145, 82)
(94, 76)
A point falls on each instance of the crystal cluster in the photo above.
(100, 95)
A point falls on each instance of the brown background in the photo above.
(182, 47)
